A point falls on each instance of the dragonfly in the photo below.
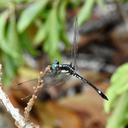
(60, 72)
(70, 69)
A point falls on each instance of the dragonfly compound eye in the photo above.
(56, 62)
(54, 66)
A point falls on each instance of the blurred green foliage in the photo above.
(118, 103)
(26, 24)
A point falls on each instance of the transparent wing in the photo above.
(26, 88)
(54, 80)
(75, 45)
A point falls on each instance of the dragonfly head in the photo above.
(55, 66)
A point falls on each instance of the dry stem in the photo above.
(34, 96)
(20, 121)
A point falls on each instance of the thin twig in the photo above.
(20, 121)
(34, 96)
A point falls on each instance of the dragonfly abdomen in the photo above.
(94, 87)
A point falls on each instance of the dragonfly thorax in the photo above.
(67, 68)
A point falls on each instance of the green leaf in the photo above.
(101, 4)
(62, 11)
(3, 3)
(41, 34)
(62, 22)
(30, 14)
(86, 11)
(119, 118)
(13, 40)
(4, 45)
(51, 44)
(64, 37)
(21, 1)
(9, 68)
(3, 23)
(119, 85)
(26, 44)
(11, 63)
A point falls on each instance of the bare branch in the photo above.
(34, 96)
(20, 121)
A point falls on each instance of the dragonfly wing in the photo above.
(55, 80)
(49, 80)
(26, 88)
(75, 45)
(28, 84)
(52, 86)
